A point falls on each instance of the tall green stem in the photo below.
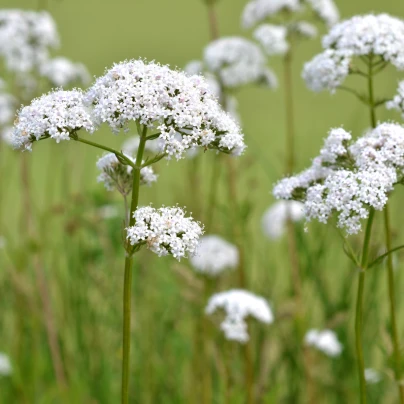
(127, 285)
(390, 272)
(359, 308)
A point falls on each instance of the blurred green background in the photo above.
(82, 256)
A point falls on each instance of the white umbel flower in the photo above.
(327, 70)
(116, 175)
(237, 62)
(326, 10)
(165, 231)
(372, 376)
(397, 102)
(272, 38)
(25, 38)
(56, 115)
(275, 218)
(7, 108)
(214, 256)
(238, 306)
(5, 365)
(62, 72)
(257, 11)
(325, 341)
(178, 106)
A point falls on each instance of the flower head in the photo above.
(179, 107)
(349, 178)
(237, 62)
(273, 38)
(5, 365)
(214, 255)
(397, 102)
(238, 305)
(165, 231)
(326, 10)
(116, 175)
(57, 115)
(325, 341)
(276, 216)
(62, 72)
(25, 38)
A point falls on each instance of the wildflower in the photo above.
(325, 341)
(116, 175)
(349, 179)
(238, 306)
(179, 107)
(397, 102)
(5, 365)
(57, 115)
(273, 38)
(62, 72)
(165, 231)
(326, 10)
(372, 376)
(237, 62)
(214, 255)
(25, 38)
(276, 216)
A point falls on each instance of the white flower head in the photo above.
(238, 306)
(326, 10)
(304, 29)
(237, 62)
(178, 106)
(397, 102)
(62, 72)
(25, 38)
(272, 38)
(257, 11)
(214, 256)
(327, 70)
(372, 376)
(116, 175)
(325, 341)
(57, 115)
(276, 216)
(5, 365)
(165, 231)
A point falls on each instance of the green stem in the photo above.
(371, 94)
(127, 286)
(359, 308)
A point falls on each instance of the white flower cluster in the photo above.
(5, 365)
(327, 70)
(325, 341)
(257, 11)
(237, 61)
(377, 35)
(351, 179)
(214, 255)
(276, 216)
(57, 114)
(7, 108)
(273, 38)
(238, 305)
(165, 231)
(398, 101)
(62, 72)
(25, 38)
(326, 10)
(180, 107)
(116, 175)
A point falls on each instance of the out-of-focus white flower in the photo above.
(304, 29)
(273, 38)
(276, 216)
(25, 38)
(3, 242)
(179, 107)
(194, 67)
(6, 135)
(214, 255)
(257, 11)
(326, 10)
(237, 62)
(327, 70)
(5, 365)
(7, 108)
(372, 376)
(62, 72)
(397, 102)
(165, 231)
(116, 175)
(57, 114)
(108, 211)
(325, 341)
(238, 305)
